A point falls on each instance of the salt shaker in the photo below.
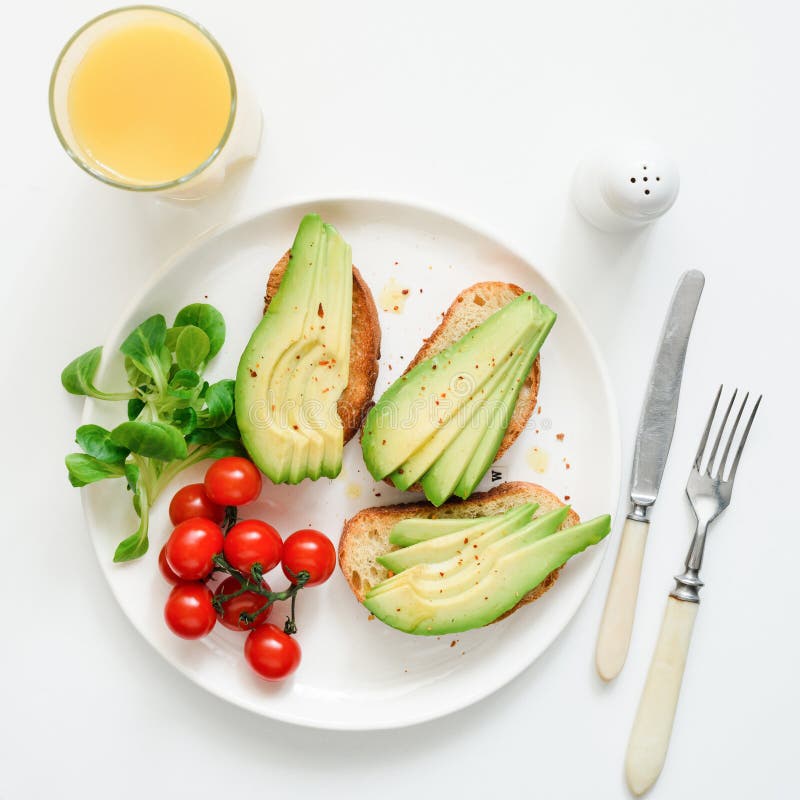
(624, 187)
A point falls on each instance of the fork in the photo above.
(709, 492)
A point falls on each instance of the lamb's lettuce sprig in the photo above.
(175, 418)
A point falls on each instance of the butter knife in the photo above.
(653, 440)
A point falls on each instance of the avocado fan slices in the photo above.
(295, 366)
(443, 422)
(426, 599)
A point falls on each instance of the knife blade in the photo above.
(660, 408)
(653, 440)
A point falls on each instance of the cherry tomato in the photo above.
(247, 603)
(188, 612)
(271, 652)
(233, 481)
(191, 548)
(252, 541)
(166, 569)
(192, 501)
(310, 551)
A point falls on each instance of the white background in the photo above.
(481, 110)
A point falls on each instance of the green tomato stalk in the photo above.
(252, 582)
(175, 418)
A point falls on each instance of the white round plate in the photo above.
(357, 673)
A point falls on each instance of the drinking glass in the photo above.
(240, 139)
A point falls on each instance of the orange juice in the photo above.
(150, 101)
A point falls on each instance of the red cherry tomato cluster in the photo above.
(208, 541)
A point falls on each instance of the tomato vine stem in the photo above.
(253, 583)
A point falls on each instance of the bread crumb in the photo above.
(560, 437)
(453, 643)
(371, 617)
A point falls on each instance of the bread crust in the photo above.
(365, 348)
(382, 518)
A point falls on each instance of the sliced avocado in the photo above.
(295, 366)
(421, 529)
(511, 578)
(502, 409)
(259, 406)
(463, 464)
(473, 563)
(407, 415)
(468, 417)
(337, 318)
(446, 547)
(484, 431)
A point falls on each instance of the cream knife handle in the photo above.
(652, 727)
(617, 622)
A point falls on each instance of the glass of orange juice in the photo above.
(143, 98)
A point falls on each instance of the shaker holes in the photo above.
(645, 178)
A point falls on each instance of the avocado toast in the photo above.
(366, 547)
(365, 348)
(306, 377)
(465, 397)
(470, 308)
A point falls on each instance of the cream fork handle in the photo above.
(647, 748)
(617, 623)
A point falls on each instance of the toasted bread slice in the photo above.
(365, 349)
(467, 311)
(366, 535)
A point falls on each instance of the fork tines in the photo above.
(731, 436)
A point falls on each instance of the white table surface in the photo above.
(482, 110)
